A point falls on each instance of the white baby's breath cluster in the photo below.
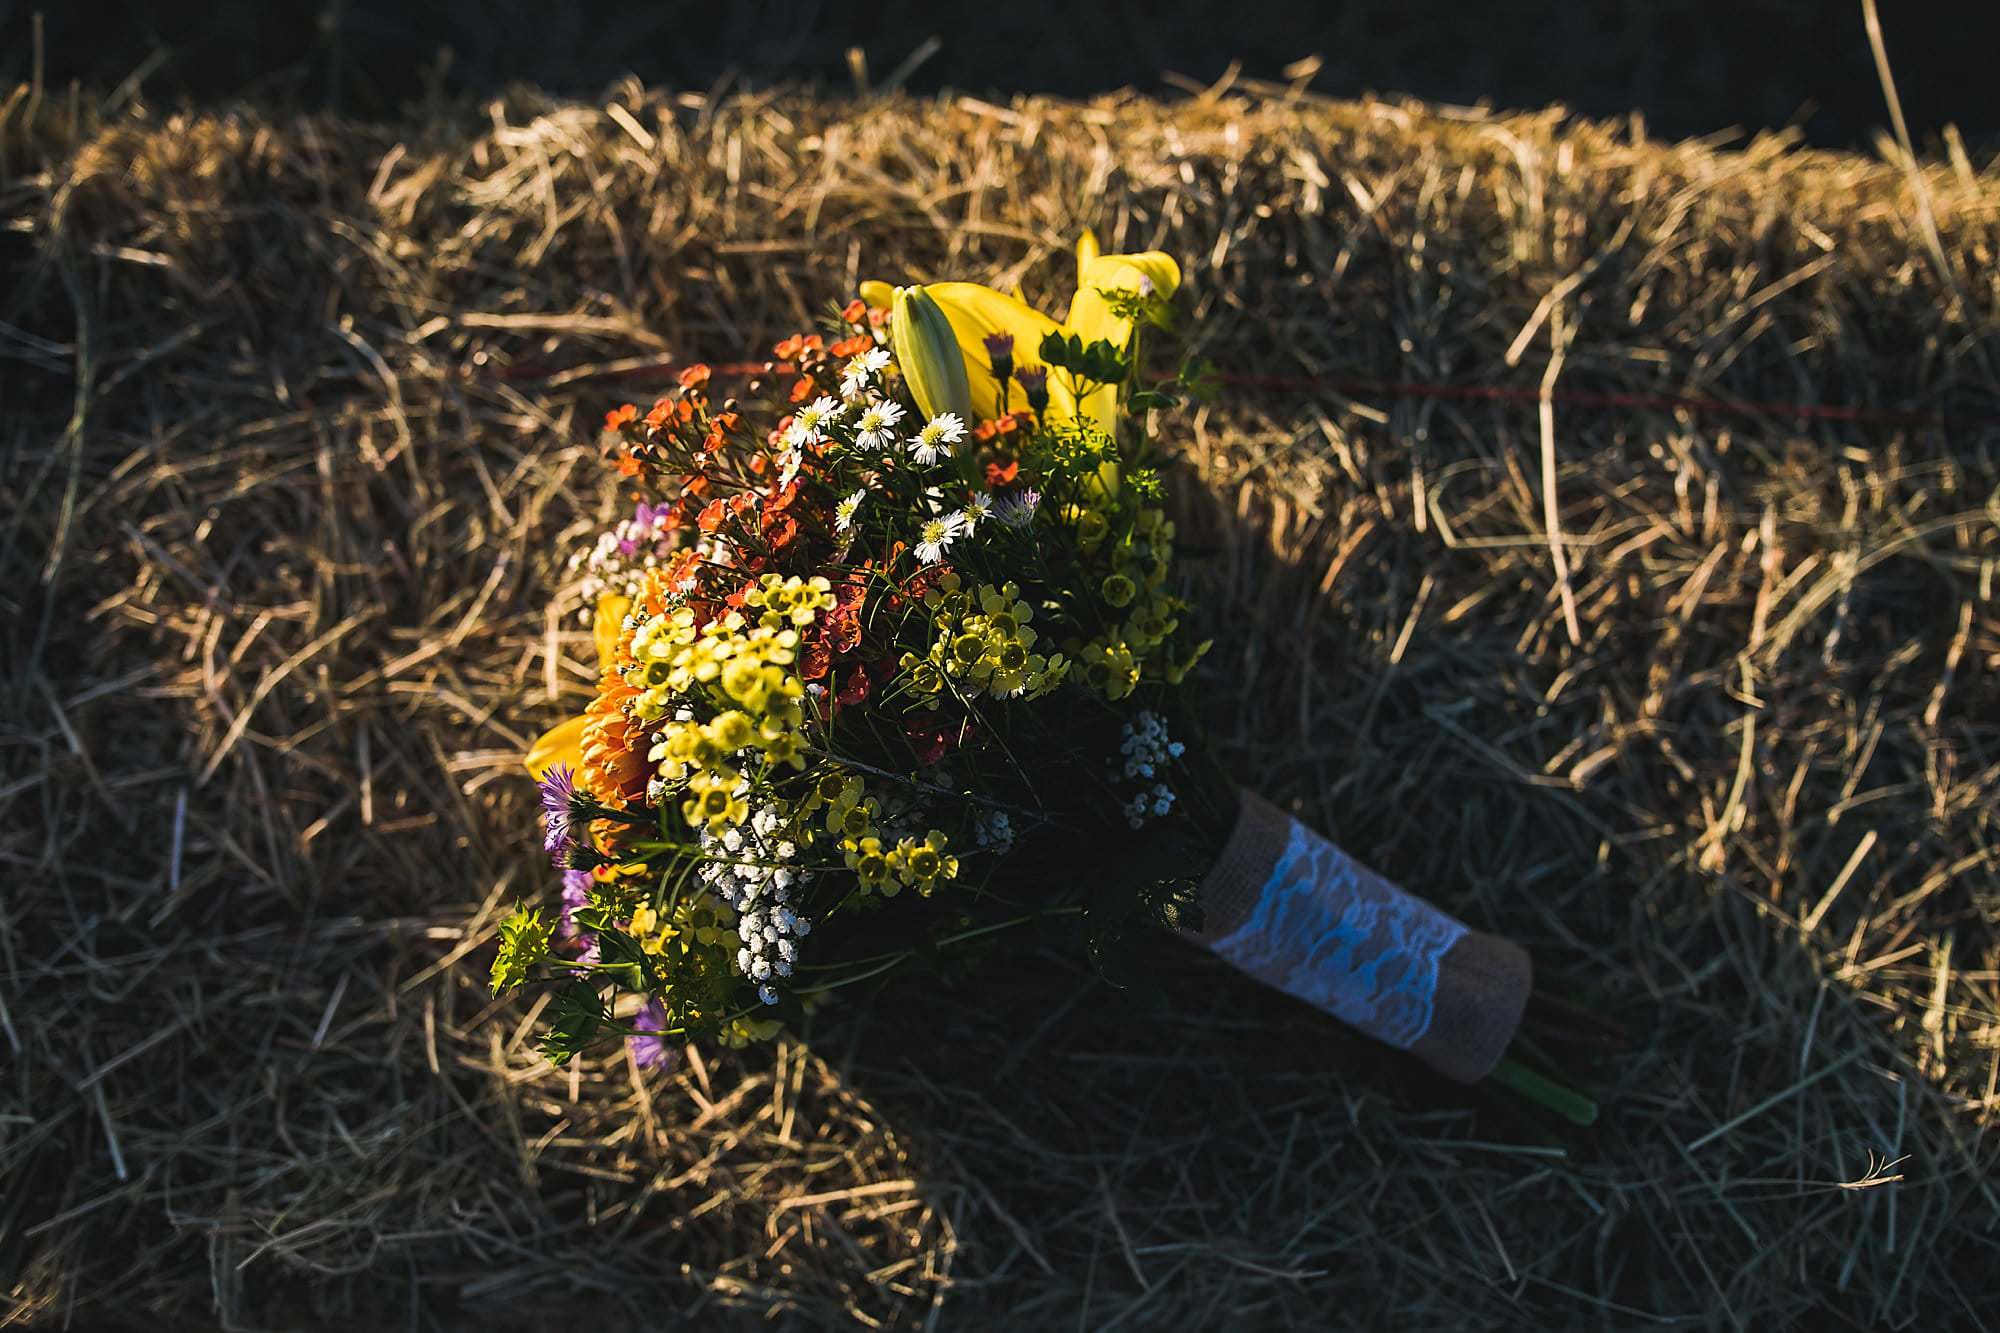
(993, 830)
(749, 868)
(1145, 753)
(615, 564)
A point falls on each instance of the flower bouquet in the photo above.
(892, 659)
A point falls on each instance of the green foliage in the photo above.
(622, 959)
(1145, 483)
(524, 941)
(1199, 379)
(1073, 451)
(576, 1017)
(1099, 362)
(1139, 307)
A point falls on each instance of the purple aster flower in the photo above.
(650, 1052)
(558, 785)
(575, 894)
(1000, 350)
(1034, 382)
(1018, 510)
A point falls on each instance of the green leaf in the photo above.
(623, 960)
(593, 918)
(576, 1016)
(1200, 380)
(524, 941)
(1146, 399)
(1100, 361)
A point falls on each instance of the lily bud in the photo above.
(928, 355)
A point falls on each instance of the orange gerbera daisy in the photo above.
(614, 745)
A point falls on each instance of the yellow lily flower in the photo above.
(563, 743)
(976, 311)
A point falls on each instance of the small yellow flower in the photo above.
(786, 748)
(731, 731)
(1110, 668)
(870, 865)
(851, 815)
(922, 864)
(826, 789)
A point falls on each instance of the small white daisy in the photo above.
(976, 509)
(877, 425)
(937, 537)
(934, 441)
(843, 513)
(858, 371)
(810, 424)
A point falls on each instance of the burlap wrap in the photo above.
(1291, 909)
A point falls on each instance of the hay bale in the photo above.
(299, 431)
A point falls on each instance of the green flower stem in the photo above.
(1544, 1092)
(889, 961)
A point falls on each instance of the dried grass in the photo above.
(1695, 704)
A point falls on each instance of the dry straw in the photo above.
(1696, 706)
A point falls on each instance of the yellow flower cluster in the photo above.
(881, 869)
(793, 600)
(985, 644)
(698, 921)
(1114, 663)
(744, 670)
(696, 943)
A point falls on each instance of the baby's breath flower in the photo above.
(934, 441)
(1145, 752)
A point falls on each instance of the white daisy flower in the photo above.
(843, 513)
(976, 509)
(937, 537)
(809, 425)
(858, 371)
(877, 425)
(934, 441)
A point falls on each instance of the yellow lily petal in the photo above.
(976, 311)
(559, 745)
(1090, 316)
(878, 295)
(1086, 250)
(607, 624)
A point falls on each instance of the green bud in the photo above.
(928, 355)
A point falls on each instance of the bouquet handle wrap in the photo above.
(1296, 912)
